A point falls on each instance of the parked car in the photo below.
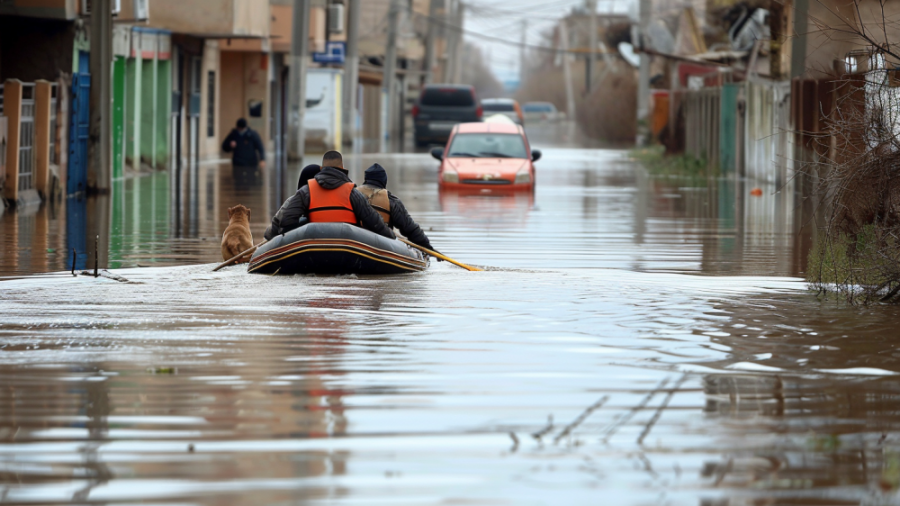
(541, 111)
(505, 106)
(487, 155)
(441, 107)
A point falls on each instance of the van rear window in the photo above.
(453, 97)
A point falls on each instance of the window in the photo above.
(459, 97)
(538, 107)
(498, 106)
(211, 103)
(488, 146)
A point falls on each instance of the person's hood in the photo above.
(376, 176)
(306, 174)
(332, 177)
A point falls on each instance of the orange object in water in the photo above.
(660, 114)
(756, 192)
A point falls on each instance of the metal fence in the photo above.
(702, 113)
(54, 128)
(26, 139)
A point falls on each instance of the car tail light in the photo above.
(415, 110)
(479, 112)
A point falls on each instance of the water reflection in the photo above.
(591, 208)
(487, 210)
(189, 386)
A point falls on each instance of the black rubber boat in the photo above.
(335, 248)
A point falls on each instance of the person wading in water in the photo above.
(245, 146)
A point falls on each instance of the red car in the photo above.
(487, 156)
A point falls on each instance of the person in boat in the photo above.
(275, 228)
(390, 207)
(329, 197)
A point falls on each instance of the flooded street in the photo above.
(635, 340)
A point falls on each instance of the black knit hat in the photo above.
(306, 174)
(376, 176)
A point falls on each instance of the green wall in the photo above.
(130, 103)
(118, 116)
(148, 89)
(163, 111)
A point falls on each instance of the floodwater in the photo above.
(637, 341)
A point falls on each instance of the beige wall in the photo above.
(210, 146)
(231, 107)
(280, 28)
(245, 78)
(825, 46)
(211, 17)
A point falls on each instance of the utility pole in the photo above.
(522, 52)
(777, 31)
(643, 98)
(297, 79)
(460, 46)
(431, 40)
(450, 34)
(592, 40)
(99, 174)
(390, 69)
(351, 65)
(567, 72)
(454, 34)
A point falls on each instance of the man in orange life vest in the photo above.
(329, 197)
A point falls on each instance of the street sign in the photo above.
(334, 53)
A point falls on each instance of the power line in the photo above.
(492, 38)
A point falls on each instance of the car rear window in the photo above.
(538, 107)
(453, 97)
(498, 107)
(485, 145)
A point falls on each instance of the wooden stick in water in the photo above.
(235, 258)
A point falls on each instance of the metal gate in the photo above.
(54, 128)
(79, 129)
(26, 139)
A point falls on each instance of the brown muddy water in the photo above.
(642, 342)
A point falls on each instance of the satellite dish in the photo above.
(627, 52)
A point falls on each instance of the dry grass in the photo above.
(858, 254)
(609, 114)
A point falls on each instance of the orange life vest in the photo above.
(330, 206)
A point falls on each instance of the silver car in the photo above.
(541, 111)
(505, 106)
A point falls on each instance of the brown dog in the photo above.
(237, 237)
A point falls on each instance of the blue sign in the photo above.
(334, 53)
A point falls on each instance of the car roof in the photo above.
(539, 103)
(448, 86)
(498, 101)
(485, 128)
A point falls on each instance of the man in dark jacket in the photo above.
(246, 146)
(332, 176)
(389, 206)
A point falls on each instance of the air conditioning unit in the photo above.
(86, 7)
(141, 9)
(336, 18)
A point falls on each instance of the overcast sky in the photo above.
(502, 20)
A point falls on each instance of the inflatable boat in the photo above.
(335, 248)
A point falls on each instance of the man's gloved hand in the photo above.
(439, 259)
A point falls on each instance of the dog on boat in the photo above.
(237, 237)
